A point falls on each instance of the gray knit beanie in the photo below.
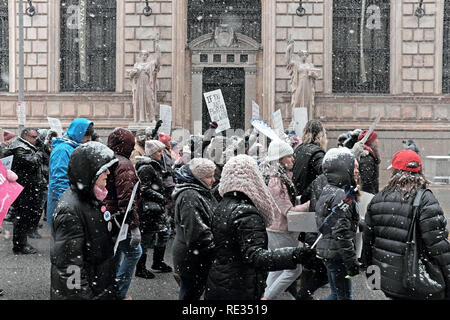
(201, 167)
(152, 146)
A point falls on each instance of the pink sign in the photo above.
(9, 191)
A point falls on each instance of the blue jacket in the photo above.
(59, 162)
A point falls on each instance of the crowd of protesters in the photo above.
(225, 202)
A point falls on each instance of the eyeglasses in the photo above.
(34, 137)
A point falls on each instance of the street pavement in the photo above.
(27, 277)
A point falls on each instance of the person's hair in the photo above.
(407, 182)
(26, 131)
(90, 130)
(315, 133)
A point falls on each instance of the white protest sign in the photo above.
(278, 122)
(165, 114)
(255, 110)
(7, 162)
(300, 116)
(124, 228)
(21, 113)
(55, 124)
(364, 201)
(217, 109)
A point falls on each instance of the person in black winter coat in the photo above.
(154, 221)
(308, 157)
(337, 245)
(242, 259)
(81, 247)
(388, 219)
(27, 164)
(369, 163)
(193, 247)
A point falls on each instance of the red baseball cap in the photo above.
(406, 160)
(373, 136)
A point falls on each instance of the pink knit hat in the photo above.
(152, 146)
(201, 167)
(241, 173)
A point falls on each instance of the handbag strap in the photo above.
(416, 204)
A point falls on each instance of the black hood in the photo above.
(86, 164)
(339, 168)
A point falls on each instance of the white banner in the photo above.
(55, 124)
(21, 113)
(7, 162)
(165, 114)
(278, 122)
(255, 110)
(217, 109)
(300, 116)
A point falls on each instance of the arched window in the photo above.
(446, 56)
(88, 45)
(4, 46)
(361, 35)
(244, 16)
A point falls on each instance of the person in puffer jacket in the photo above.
(193, 246)
(154, 221)
(388, 219)
(81, 247)
(337, 245)
(242, 258)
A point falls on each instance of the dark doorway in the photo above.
(232, 83)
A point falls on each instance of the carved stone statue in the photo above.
(303, 76)
(143, 76)
(224, 36)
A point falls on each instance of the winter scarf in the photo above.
(373, 152)
(241, 173)
(277, 170)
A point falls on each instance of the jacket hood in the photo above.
(77, 129)
(87, 163)
(22, 143)
(144, 160)
(122, 142)
(338, 166)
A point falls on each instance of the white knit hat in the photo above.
(152, 146)
(201, 167)
(279, 149)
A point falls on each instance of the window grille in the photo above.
(356, 68)
(88, 45)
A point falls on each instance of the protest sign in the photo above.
(165, 114)
(7, 162)
(255, 110)
(217, 109)
(55, 125)
(300, 116)
(9, 191)
(278, 123)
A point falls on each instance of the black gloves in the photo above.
(159, 123)
(302, 255)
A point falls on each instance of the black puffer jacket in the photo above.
(307, 166)
(27, 164)
(387, 220)
(194, 204)
(369, 171)
(151, 205)
(340, 243)
(242, 260)
(81, 243)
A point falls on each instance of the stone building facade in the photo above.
(415, 106)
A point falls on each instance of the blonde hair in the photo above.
(315, 133)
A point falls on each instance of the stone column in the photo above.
(197, 97)
(12, 45)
